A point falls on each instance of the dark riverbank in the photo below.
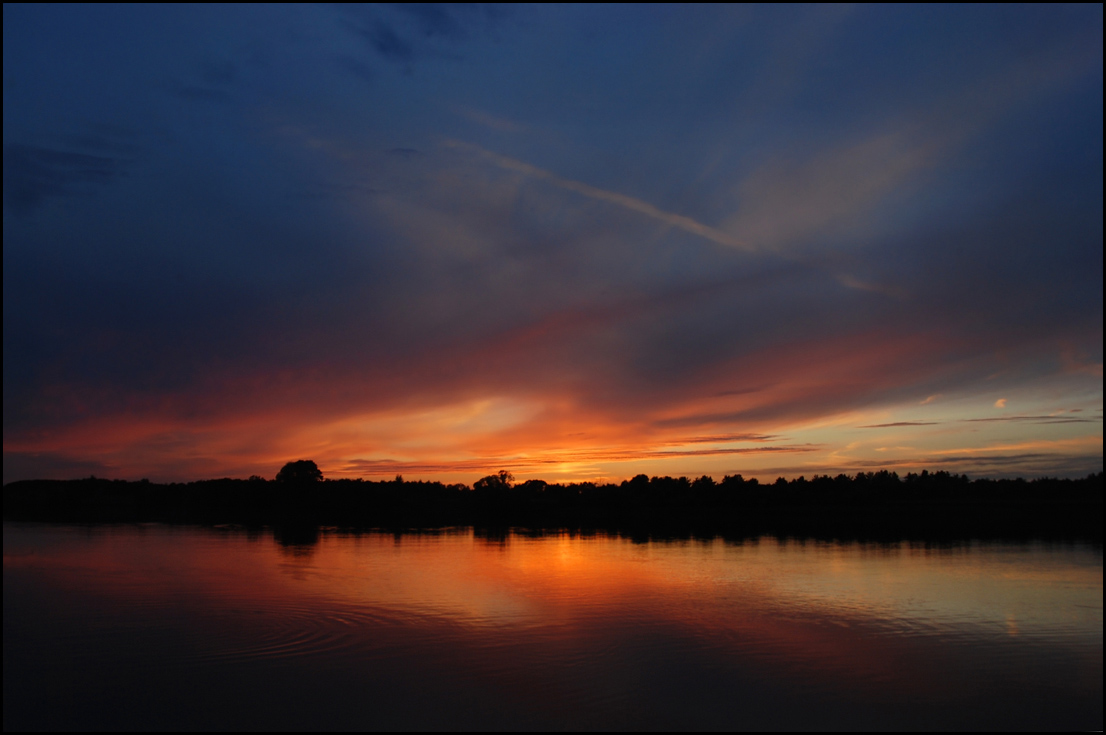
(873, 506)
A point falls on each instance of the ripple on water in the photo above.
(288, 630)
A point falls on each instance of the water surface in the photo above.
(177, 627)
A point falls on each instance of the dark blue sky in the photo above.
(572, 241)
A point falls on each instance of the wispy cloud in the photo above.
(634, 205)
(546, 461)
(1073, 445)
(493, 122)
(1033, 419)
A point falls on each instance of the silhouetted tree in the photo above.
(500, 481)
(300, 472)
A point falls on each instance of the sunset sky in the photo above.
(573, 242)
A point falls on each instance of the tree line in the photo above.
(867, 504)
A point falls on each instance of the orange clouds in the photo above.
(505, 405)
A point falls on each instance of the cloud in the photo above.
(434, 19)
(1000, 403)
(671, 219)
(1076, 364)
(547, 461)
(493, 122)
(1032, 419)
(785, 202)
(1074, 445)
(721, 438)
(405, 32)
(34, 174)
(387, 42)
(632, 204)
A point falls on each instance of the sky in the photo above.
(572, 242)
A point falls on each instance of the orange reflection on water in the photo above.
(593, 620)
(520, 579)
(453, 573)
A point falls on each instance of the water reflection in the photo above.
(451, 629)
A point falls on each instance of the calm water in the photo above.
(163, 627)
